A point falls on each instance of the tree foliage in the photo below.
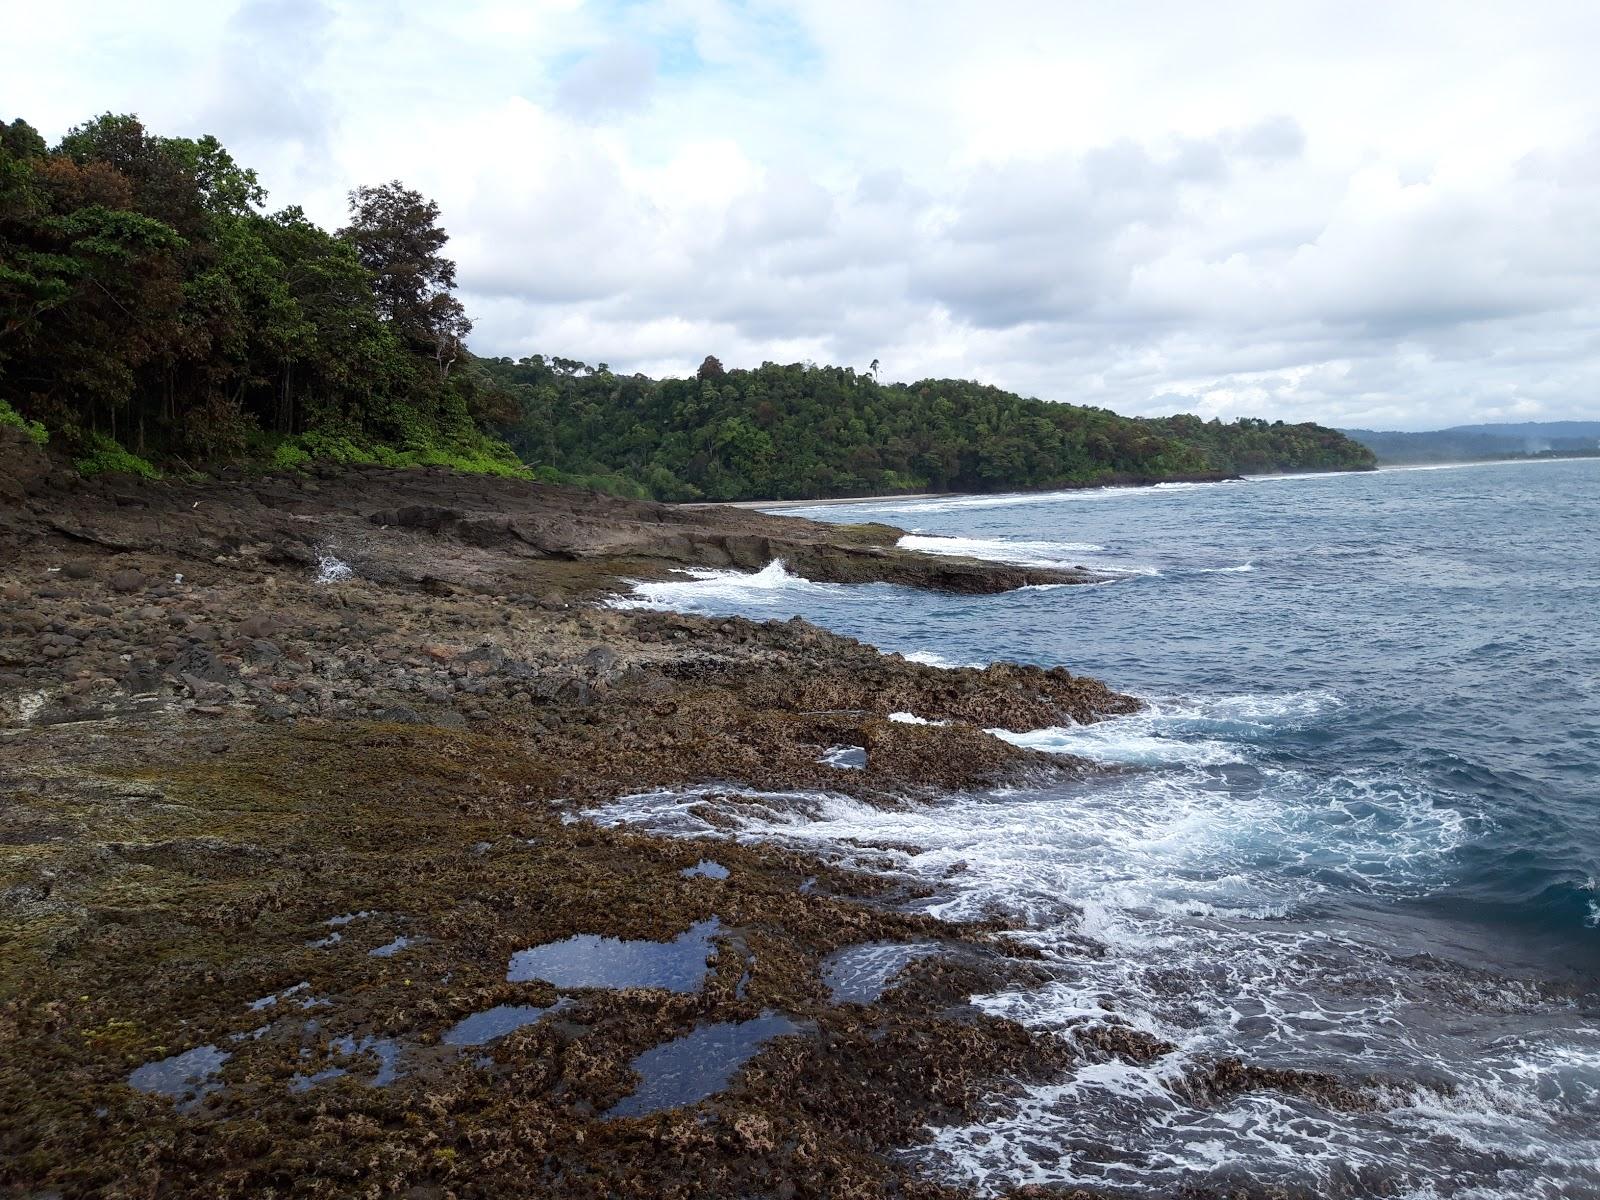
(800, 431)
(148, 296)
(153, 308)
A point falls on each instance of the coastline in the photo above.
(236, 791)
(1120, 481)
(297, 768)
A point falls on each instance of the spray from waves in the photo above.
(707, 589)
(333, 569)
(1215, 903)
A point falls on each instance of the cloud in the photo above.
(615, 78)
(1367, 214)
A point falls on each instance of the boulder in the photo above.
(128, 580)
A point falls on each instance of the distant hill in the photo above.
(801, 431)
(1473, 443)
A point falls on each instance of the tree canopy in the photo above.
(148, 296)
(151, 301)
(801, 431)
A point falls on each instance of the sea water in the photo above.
(1361, 837)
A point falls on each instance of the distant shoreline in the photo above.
(1123, 482)
(821, 503)
(1485, 462)
(886, 497)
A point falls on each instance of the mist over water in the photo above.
(1360, 833)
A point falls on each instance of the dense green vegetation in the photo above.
(802, 431)
(152, 308)
(154, 313)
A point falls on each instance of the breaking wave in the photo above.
(706, 589)
(1004, 550)
(1222, 887)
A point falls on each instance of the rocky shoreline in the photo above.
(295, 770)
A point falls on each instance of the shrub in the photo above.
(289, 455)
(10, 416)
(107, 457)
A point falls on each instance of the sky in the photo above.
(1382, 215)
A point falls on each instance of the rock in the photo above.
(79, 568)
(259, 626)
(202, 664)
(263, 651)
(24, 467)
(600, 660)
(450, 719)
(127, 580)
(199, 688)
(400, 714)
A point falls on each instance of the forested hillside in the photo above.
(152, 308)
(802, 431)
(154, 313)
(1472, 443)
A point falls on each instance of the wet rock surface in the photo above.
(305, 826)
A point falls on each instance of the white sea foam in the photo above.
(333, 569)
(1210, 900)
(1004, 550)
(1182, 731)
(711, 589)
(929, 658)
(997, 500)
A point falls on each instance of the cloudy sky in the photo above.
(1381, 214)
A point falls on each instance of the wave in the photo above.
(929, 658)
(709, 589)
(996, 500)
(1003, 550)
(1179, 731)
(1046, 554)
(1219, 884)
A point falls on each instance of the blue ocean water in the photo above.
(1361, 834)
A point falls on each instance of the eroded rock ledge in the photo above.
(448, 531)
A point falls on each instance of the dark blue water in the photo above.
(1364, 839)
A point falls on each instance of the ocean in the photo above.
(1355, 831)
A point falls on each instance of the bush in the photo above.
(107, 457)
(472, 454)
(10, 416)
(289, 456)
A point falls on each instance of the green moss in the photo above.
(10, 416)
(108, 457)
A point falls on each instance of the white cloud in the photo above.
(1365, 213)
